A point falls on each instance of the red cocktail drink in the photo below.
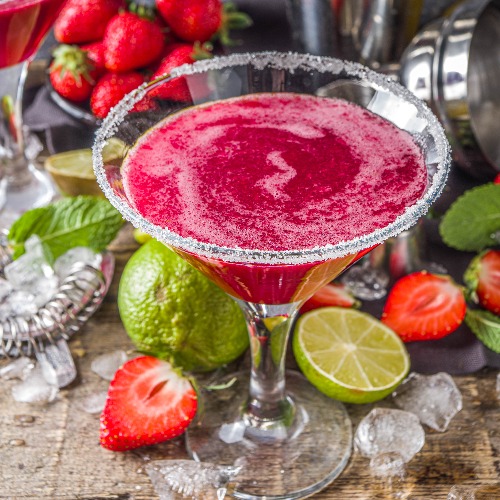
(23, 24)
(277, 173)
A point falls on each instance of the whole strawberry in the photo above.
(202, 20)
(483, 280)
(71, 73)
(95, 53)
(148, 402)
(131, 41)
(177, 89)
(83, 21)
(110, 89)
(424, 306)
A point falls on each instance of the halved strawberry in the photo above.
(424, 306)
(496, 180)
(148, 402)
(483, 280)
(330, 295)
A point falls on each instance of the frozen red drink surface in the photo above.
(274, 172)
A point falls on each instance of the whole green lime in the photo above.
(170, 310)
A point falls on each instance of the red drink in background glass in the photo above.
(23, 24)
(274, 172)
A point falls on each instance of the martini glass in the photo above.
(23, 25)
(289, 440)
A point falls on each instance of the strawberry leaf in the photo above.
(472, 223)
(70, 222)
(486, 327)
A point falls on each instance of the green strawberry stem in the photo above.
(202, 51)
(232, 19)
(144, 9)
(73, 59)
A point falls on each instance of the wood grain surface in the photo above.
(52, 452)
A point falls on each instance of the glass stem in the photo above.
(269, 327)
(12, 159)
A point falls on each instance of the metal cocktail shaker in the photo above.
(376, 32)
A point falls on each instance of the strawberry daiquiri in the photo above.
(23, 24)
(274, 172)
(272, 191)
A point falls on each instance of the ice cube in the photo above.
(24, 272)
(57, 363)
(93, 403)
(21, 303)
(5, 311)
(19, 368)
(5, 288)
(386, 430)
(191, 479)
(106, 365)
(35, 389)
(388, 464)
(67, 262)
(435, 399)
(44, 289)
(33, 244)
(33, 145)
(365, 282)
(233, 432)
(461, 493)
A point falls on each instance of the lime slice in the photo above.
(349, 355)
(73, 172)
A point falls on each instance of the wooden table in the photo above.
(52, 452)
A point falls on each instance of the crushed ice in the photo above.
(19, 368)
(386, 430)
(106, 364)
(461, 493)
(434, 399)
(35, 389)
(190, 479)
(30, 281)
(93, 403)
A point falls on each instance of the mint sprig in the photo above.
(81, 221)
(472, 223)
(485, 326)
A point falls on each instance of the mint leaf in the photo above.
(71, 222)
(486, 327)
(473, 220)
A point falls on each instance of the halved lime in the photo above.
(349, 355)
(73, 172)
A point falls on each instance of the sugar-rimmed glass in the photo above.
(290, 441)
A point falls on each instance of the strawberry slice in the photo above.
(148, 402)
(331, 295)
(424, 306)
(483, 280)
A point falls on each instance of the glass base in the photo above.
(303, 458)
(34, 190)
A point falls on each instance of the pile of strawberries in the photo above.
(110, 47)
